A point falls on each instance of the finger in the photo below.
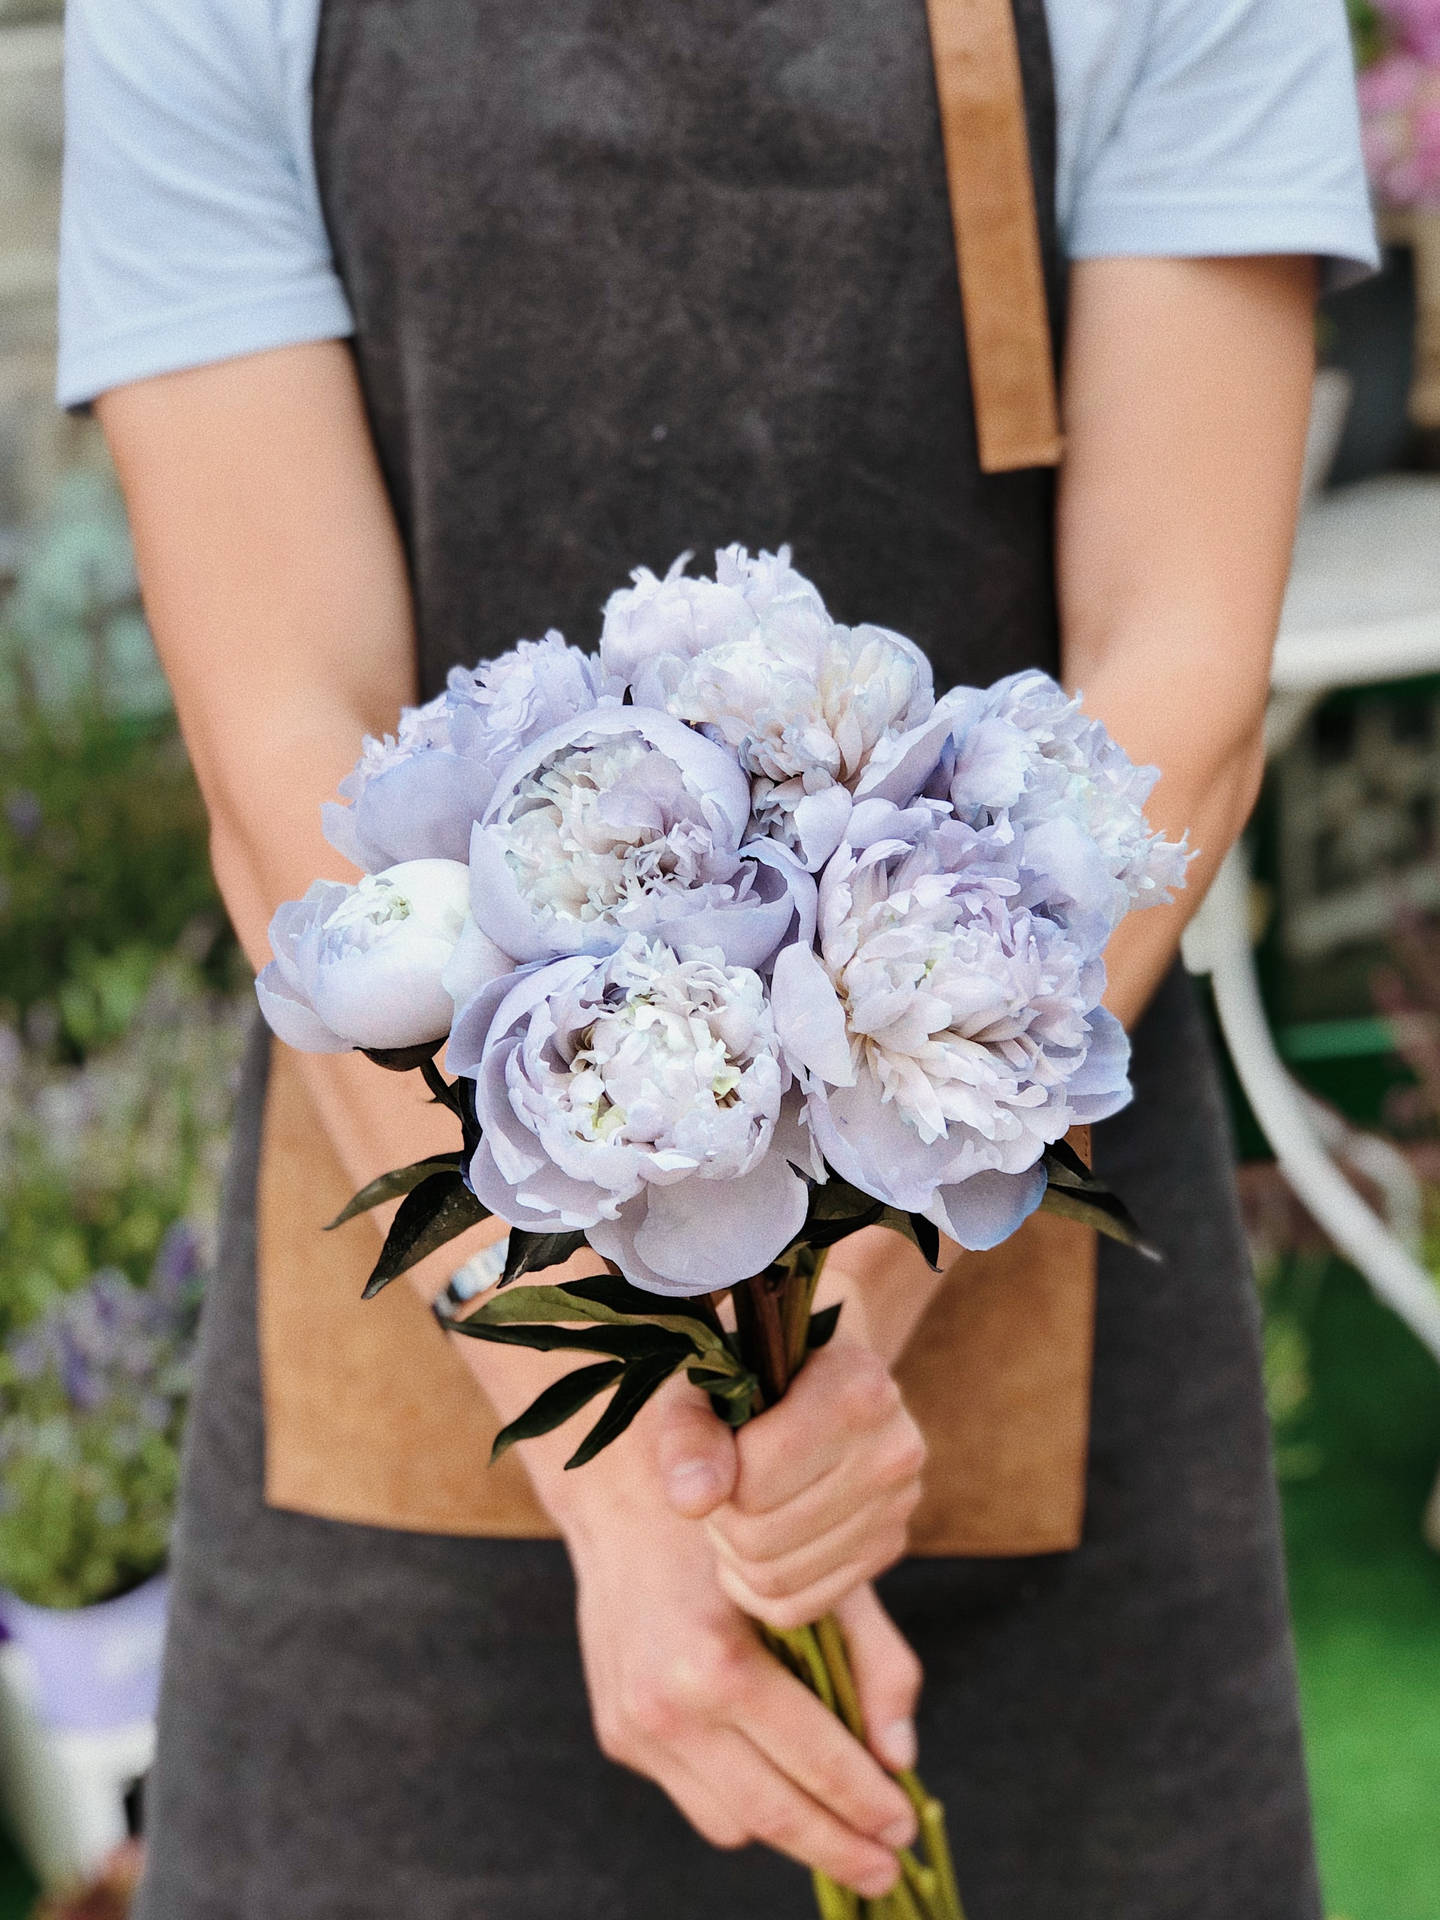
(776, 1811)
(888, 1464)
(712, 1817)
(852, 1543)
(813, 1749)
(696, 1453)
(888, 1677)
(842, 1392)
(797, 1610)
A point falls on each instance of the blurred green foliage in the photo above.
(1365, 1591)
(1367, 29)
(123, 1000)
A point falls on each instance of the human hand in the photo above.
(683, 1691)
(809, 1501)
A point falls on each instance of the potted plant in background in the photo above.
(92, 1404)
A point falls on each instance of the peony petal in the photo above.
(1101, 1086)
(820, 820)
(551, 1204)
(422, 809)
(809, 1017)
(700, 1235)
(869, 1143)
(980, 1212)
(475, 962)
(291, 1018)
(388, 996)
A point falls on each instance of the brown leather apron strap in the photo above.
(997, 234)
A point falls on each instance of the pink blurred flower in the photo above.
(1400, 109)
(1416, 24)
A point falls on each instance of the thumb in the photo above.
(887, 1677)
(697, 1458)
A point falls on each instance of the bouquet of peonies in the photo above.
(738, 940)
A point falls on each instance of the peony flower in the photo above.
(804, 703)
(364, 966)
(1025, 751)
(652, 628)
(947, 1033)
(641, 1098)
(626, 821)
(415, 795)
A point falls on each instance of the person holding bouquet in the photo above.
(413, 325)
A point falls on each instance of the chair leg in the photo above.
(1280, 1107)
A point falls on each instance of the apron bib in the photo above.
(633, 278)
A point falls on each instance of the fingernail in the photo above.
(692, 1483)
(900, 1834)
(898, 1745)
(876, 1885)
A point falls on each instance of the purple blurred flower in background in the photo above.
(638, 1097)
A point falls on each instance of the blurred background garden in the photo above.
(123, 1003)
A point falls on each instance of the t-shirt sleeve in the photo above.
(191, 228)
(1239, 134)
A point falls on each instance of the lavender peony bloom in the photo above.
(1028, 751)
(364, 966)
(947, 1033)
(641, 1098)
(415, 795)
(626, 821)
(653, 627)
(804, 703)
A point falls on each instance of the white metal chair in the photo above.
(1363, 608)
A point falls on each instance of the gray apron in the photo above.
(631, 278)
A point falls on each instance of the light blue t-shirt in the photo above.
(192, 230)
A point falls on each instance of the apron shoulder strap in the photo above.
(997, 233)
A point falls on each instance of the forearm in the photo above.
(1187, 392)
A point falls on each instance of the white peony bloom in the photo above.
(364, 966)
(804, 703)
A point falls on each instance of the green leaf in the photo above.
(390, 1186)
(531, 1252)
(1075, 1193)
(624, 1343)
(927, 1239)
(822, 1327)
(589, 1299)
(557, 1404)
(919, 1231)
(404, 1059)
(641, 1379)
(441, 1207)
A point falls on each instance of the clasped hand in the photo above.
(790, 1518)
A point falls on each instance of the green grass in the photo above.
(1366, 1596)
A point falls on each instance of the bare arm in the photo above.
(1187, 392)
